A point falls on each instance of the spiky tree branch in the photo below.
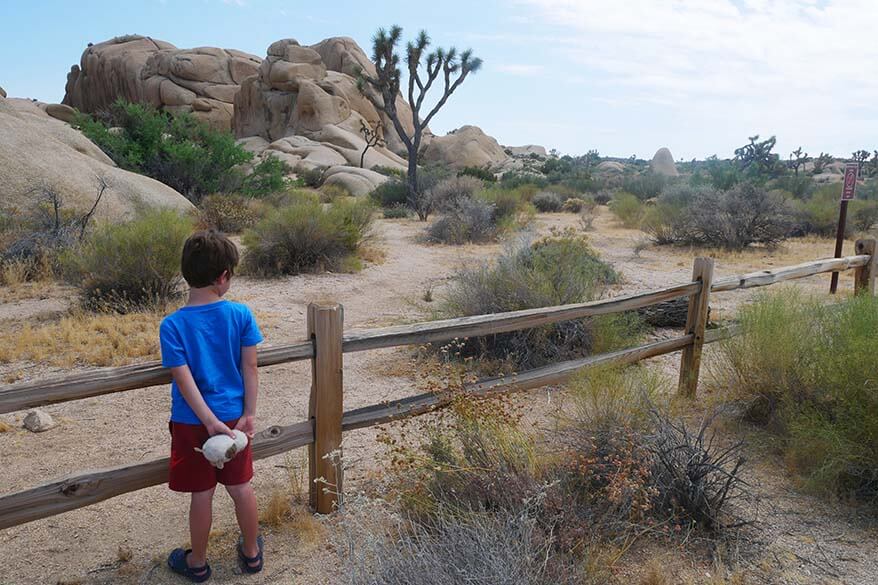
(373, 136)
(424, 68)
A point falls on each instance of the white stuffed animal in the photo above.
(222, 448)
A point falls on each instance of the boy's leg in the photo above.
(247, 514)
(200, 517)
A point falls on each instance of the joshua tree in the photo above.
(758, 155)
(372, 135)
(445, 64)
(798, 159)
(860, 157)
(821, 161)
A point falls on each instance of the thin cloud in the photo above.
(781, 64)
(520, 69)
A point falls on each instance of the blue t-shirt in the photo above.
(208, 339)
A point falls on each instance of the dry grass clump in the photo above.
(617, 469)
(81, 338)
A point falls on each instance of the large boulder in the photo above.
(39, 151)
(467, 146)
(201, 81)
(357, 181)
(663, 163)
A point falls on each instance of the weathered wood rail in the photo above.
(326, 346)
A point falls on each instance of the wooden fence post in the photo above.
(696, 321)
(325, 326)
(864, 276)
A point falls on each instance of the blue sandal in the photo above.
(247, 562)
(177, 563)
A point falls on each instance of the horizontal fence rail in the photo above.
(804, 270)
(85, 488)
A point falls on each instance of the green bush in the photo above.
(306, 237)
(389, 171)
(231, 214)
(392, 193)
(645, 186)
(628, 209)
(451, 192)
(130, 266)
(177, 150)
(547, 202)
(268, 176)
(479, 173)
(511, 206)
(865, 214)
(577, 205)
(805, 370)
(555, 270)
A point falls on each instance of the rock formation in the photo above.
(201, 81)
(528, 150)
(295, 95)
(663, 163)
(38, 151)
(610, 167)
(467, 146)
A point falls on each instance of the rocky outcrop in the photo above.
(467, 146)
(200, 81)
(40, 151)
(610, 167)
(663, 163)
(295, 95)
(357, 181)
(528, 150)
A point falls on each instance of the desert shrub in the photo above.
(130, 266)
(306, 237)
(313, 177)
(397, 212)
(547, 202)
(513, 180)
(645, 186)
(865, 214)
(511, 206)
(630, 461)
(556, 270)
(479, 173)
(799, 186)
(226, 213)
(332, 191)
(603, 196)
(392, 193)
(450, 192)
(451, 550)
(578, 205)
(804, 370)
(268, 176)
(469, 220)
(177, 150)
(628, 209)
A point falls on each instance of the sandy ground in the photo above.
(808, 541)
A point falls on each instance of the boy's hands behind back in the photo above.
(219, 428)
(247, 425)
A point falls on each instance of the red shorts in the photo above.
(191, 472)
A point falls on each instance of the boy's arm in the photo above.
(186, 383)
(250, 372)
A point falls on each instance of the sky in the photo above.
(620, 76)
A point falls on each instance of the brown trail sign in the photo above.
(848, 190)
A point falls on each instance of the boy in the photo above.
(210, 347)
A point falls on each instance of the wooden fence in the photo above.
(326, 346)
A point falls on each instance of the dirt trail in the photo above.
(131, 426)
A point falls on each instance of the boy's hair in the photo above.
(206, 255)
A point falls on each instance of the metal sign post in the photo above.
(848, 190)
